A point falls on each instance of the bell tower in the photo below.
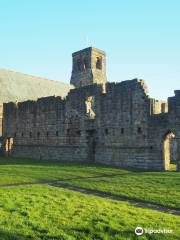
(88, 67)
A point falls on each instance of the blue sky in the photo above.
(141, 38)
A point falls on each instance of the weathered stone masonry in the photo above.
(122, 126)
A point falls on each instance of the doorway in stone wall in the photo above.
(9, 145)
(170, 151)
(91, 142)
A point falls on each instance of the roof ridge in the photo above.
(33, 76)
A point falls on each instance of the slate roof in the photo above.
(16, 86)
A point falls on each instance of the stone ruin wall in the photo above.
(52, 128)
(158, 106)
(1, 117)
(123, 123)
(124, 131)
(163, 124)
(40, 130)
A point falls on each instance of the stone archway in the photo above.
(9, 145)
(169, 149)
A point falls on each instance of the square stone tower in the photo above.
(89, 67)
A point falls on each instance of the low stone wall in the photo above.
(61, 153)
(136, 157)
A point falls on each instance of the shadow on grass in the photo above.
(4, 235)
(61, 163)
(132, 200)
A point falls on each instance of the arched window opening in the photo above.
(38, 135)
(169, 151)
(79, 65)
(85, 63)
(99, 63)
(78, 133)
(106, 131)
(139, 130)
(122, 130)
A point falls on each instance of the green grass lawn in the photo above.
(45, 212)
(155, 187)
(48, 212)
(13, 170)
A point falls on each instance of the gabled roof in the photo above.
(16, 86)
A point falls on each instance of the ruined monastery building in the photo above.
(88, 120)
